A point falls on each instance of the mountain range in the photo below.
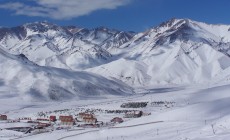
(47, 61)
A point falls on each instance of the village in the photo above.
(78, 118)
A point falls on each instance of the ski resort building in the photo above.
(3, 117)
(43, 125)
(133, 114)
(67, 120)
(25, 119)
(43, 119)
(117, 120)
(53, 118)
(87, 118)
(85, 115)
(90, 120)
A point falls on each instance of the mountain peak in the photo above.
(41, 26)
(172, 22)
(44, 23)
(102, 28)
(72, 29)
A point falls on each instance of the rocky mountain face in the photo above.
(63, 47)
(178, 51)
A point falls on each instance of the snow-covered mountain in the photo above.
(63, 47)
(25, 79)
(178, 51)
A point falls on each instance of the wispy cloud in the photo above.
(60, 9)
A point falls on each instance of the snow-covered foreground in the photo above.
(197, 114)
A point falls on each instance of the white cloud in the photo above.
(61, 9)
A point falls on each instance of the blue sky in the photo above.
(129, 15)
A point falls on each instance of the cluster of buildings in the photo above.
(62, 120)
(86, 118)
(82, 119)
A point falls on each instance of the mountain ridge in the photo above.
(138, 59)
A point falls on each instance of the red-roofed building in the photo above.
(85, 115)
(43, 125)
(90, 120)
(3, 117)
(53, 118)
(67, 120)
(117, 120)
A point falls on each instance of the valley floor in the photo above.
(186, 114)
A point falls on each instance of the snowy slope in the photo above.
(28, 81)
(179, 51)
(63, 47)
